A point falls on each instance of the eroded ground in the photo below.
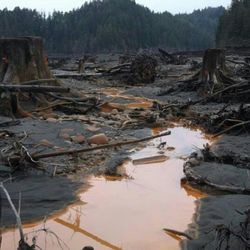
(127, 112)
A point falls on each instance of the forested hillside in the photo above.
(113, 25)
(234, 25)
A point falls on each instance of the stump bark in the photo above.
(21, 60)
(212, 68)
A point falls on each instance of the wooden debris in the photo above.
(142, 69)
(150, 160)
(9, 123)
(33, 88)
(83, 150)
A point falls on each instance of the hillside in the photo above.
(113, 25)
(234, 25)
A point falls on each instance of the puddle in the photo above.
(128, 214)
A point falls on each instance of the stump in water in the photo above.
(21, 60)
(212, 68)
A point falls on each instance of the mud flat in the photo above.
(128, 212)
(124, 112)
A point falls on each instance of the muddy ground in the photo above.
(126, 112)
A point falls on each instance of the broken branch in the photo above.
(171, 231)
(83, 150)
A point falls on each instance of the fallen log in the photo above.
(150, 160)
(39, 81)
(84, 150)
(234, 86)
(124, 65)
(71, 99)
(9, 123)
(230, 128)
(33, 88)
(238, 62)
(79, 76)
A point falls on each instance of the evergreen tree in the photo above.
(113, 26)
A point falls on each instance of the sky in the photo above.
(173, 6)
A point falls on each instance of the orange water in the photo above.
(128, 213)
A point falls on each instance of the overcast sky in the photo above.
(173, 6)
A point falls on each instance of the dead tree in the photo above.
(81, 65)
(212, 69)
(22, 60)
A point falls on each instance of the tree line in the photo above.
(234, 25)
(113, 26)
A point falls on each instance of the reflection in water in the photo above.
(129, 214)
(76, 228)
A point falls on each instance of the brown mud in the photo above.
(116, 212)
(126, 112)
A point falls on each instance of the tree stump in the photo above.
(21, 60)
(212, 68)
(81, 65)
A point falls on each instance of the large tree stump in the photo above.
(212, 68)
(21, 60)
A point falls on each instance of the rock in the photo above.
(67, 130)
(88, 248)
(170, 148)
(98, 139)
(114, 112)
(49, 115)
(78, 139)
(66, 133)
(64, 136)
(46, 143)
(52, 120)
(110, 123)
(93, 129)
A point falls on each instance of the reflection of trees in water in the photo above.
(76, 228)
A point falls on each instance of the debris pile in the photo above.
(142, 69)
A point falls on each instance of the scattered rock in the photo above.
(78, 139)
(114, 112)
(98, 139)
(46, 143)
(88, 248)
(93, 129)
(170, 148)
(52, 120)
(64, 136)
(67, 130)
